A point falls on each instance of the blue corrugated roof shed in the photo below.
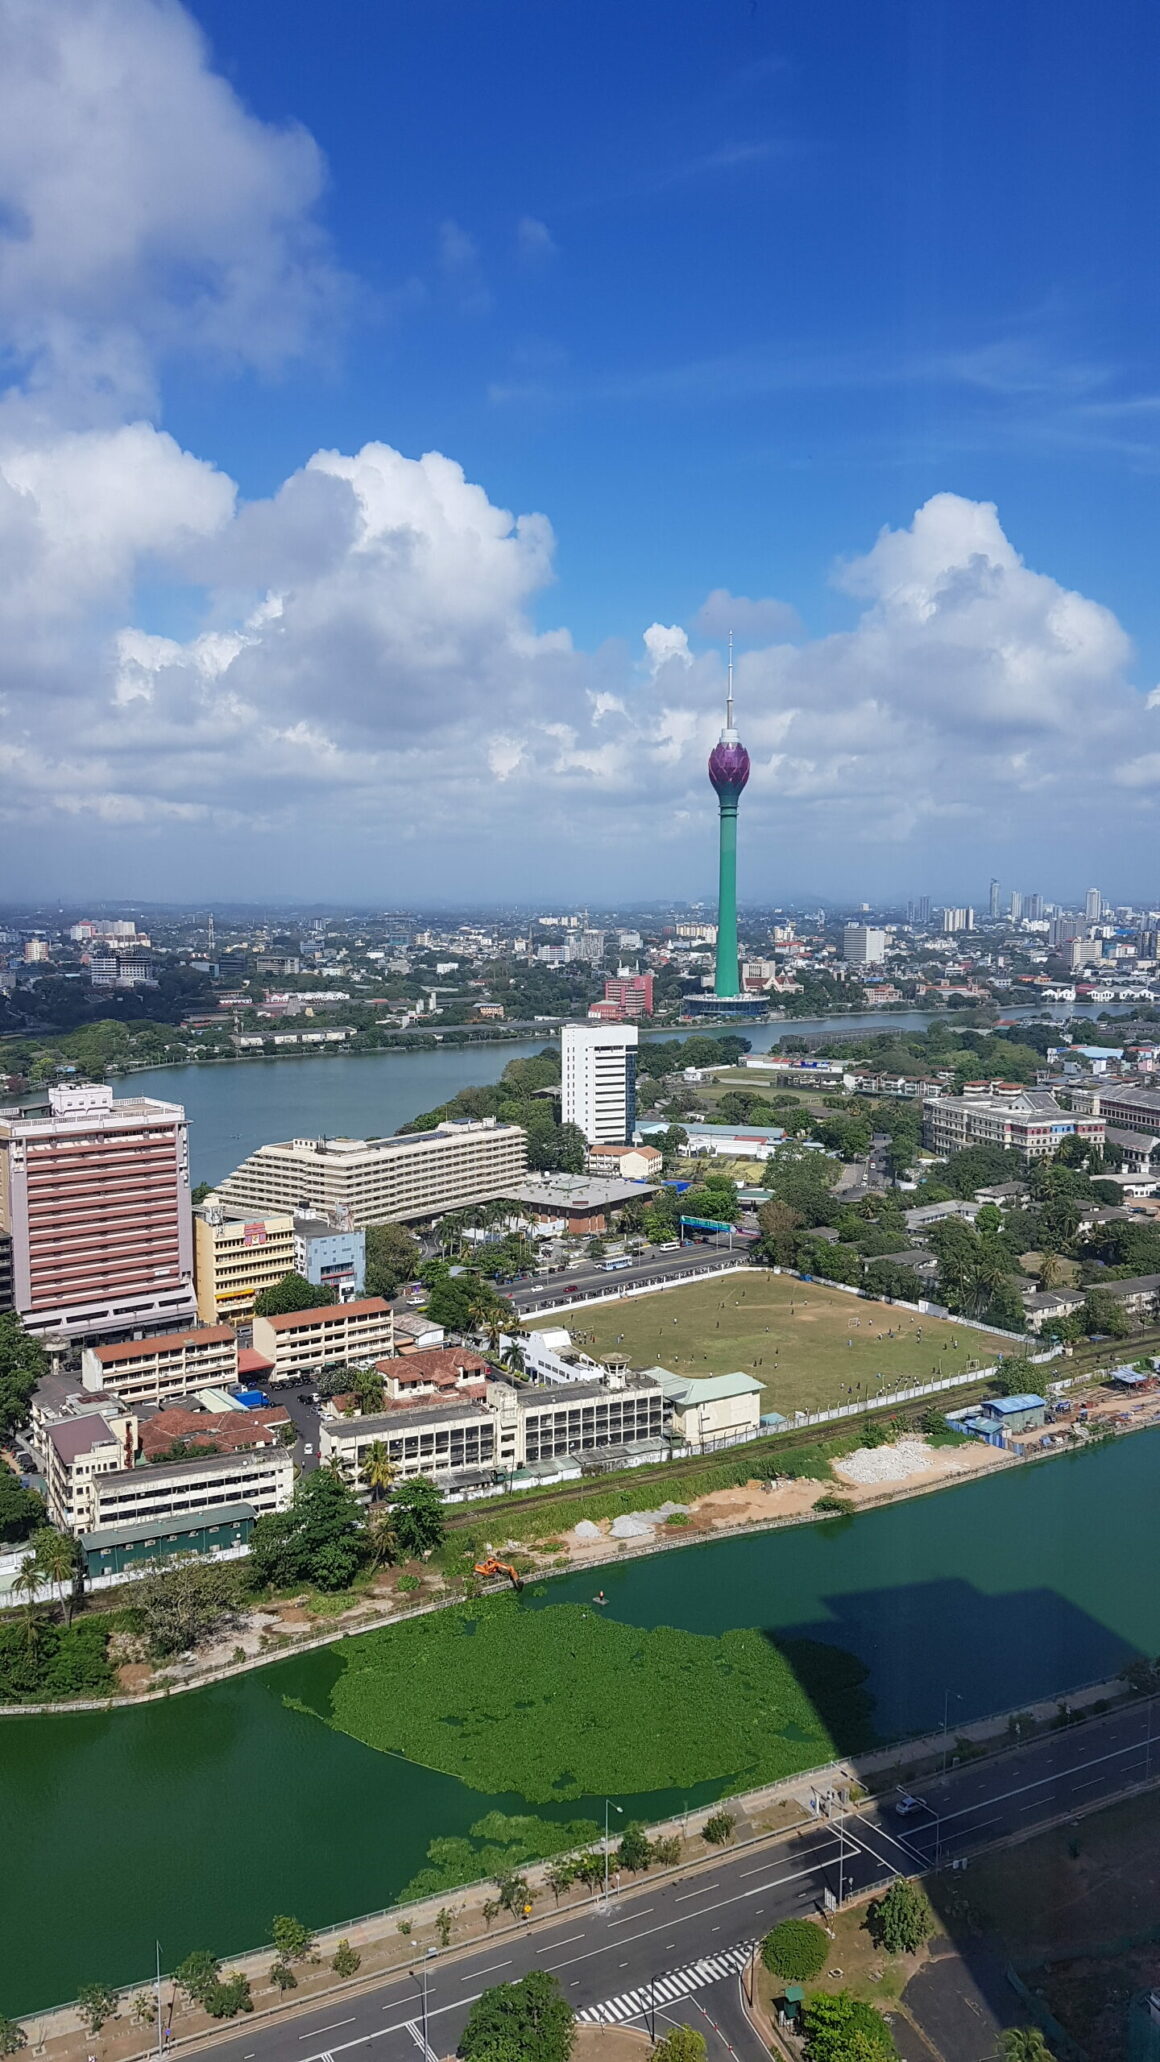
(1004, 1404)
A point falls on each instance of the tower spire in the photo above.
(729, 698)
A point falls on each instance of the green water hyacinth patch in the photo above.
(561, 1702)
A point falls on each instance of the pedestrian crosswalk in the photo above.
(424, 2046)
(666, 1989)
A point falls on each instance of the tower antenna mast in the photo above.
(729, 700)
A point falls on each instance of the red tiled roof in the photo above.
(443, 1365)
(367, 1306)
(251, 1362)
(143, 1349)
(225, 1430)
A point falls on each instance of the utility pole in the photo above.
(615, 1807)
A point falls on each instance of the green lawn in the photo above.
(812, 1347)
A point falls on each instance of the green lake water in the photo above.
(194, 1820)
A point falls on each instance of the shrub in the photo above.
(407, 1582)
(346, 1959)
(282, 1976)
(902, 1919)
(12, 2036)
(796, 1950)
(718, 1829)
(838, 1506)
(840, 2026)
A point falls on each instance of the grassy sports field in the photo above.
(812, 1347)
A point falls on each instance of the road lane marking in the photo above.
(332, 2028)
(698, 1893)
(472, 1974)
(627, 1921)
(549, 1947)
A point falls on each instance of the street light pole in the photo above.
(615, 1807)
(159, 2037)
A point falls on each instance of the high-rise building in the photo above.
(1093, 906)
(863, 947)
(993, 909)
(1016, 905)
(1033, 908)
(598, 1081)
(96, 1198)
(922, 910)
(728, 772)
(631, 993)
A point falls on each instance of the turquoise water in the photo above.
(192, 1821)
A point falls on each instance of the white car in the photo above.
(904, 1803)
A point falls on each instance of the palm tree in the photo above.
(1050, 1271)
(378, 1470)
(27, 1581)
(55, 1557)
(1025, 2044)
(381, 1536)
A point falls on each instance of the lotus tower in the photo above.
(728, 771)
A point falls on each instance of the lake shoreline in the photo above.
(610, 1554)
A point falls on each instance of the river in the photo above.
(235, 1108)
(192, 1821)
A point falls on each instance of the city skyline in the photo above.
(371, 527)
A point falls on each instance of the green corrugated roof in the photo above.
(159, 1528)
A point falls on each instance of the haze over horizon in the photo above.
(402, 408)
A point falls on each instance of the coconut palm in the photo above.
(384, 1545)
(1025, 2044)
(27, 1582)
(378, 1470)
(55, 1559)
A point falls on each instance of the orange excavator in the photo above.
(493, 1567)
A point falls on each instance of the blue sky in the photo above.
(722, 292)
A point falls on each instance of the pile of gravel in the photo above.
(885, 1463)
(634, 1525)
(586, 1530)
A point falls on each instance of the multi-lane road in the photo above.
(670, 1950)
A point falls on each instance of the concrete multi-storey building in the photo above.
(235, 1258)
(1022, 1120)
(330, 1255)
(382, 1180)
(300, 1341)
(75, 1452)
(147, 1370)
(264, 1480)
(95, 1197)
(507, 1429)
(598, 1081)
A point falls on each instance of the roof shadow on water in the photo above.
(889, 1663)
(925, 1643)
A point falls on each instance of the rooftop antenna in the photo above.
(729, 701)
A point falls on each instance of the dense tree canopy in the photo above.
(321, 1539)
(392, 1257)
(528, 2021)
(293, 1292)
(23, 1363)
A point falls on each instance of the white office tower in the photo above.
(1093, 907)
(599, 1081)
(862, 946)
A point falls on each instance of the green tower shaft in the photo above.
(727, 981)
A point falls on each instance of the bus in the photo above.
(622, 1260)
